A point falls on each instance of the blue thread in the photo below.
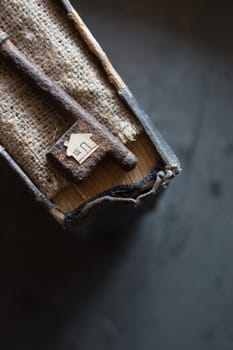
(114, 192)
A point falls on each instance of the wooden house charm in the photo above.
(80, 147)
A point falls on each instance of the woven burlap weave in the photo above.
(29, 124)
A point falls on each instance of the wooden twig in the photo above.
(94, 47)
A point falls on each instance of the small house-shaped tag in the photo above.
(80, 147)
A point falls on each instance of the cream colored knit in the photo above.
(29, 125)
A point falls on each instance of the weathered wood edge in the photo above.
(169, 158)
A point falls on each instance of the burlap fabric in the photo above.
(29, 124)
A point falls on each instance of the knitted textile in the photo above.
(29, 125)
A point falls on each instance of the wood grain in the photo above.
(109, 175)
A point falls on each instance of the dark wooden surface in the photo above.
(169, 285)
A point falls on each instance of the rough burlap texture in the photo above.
(29, 124)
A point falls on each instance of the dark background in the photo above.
(168, 285)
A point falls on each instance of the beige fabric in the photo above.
(29, 125)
